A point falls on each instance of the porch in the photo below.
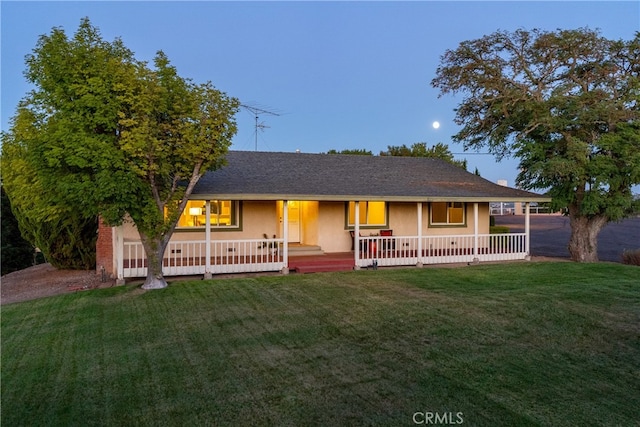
(262, 255)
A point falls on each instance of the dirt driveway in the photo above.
(550, 235)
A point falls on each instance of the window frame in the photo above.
(235, 215)
(448, 224)
(351, 226)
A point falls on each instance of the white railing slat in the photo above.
(227, 256)
(403, 250)
(254, 255)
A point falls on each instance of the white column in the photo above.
(207, 238)
(527, 230)
(356, 235)
(419, 234)
(285, 236)
(475, 232)
(120, 255)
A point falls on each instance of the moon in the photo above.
(435, 125)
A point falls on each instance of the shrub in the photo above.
(631, 257)
(16, 253)
(499, 229)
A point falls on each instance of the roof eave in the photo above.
(364, 197)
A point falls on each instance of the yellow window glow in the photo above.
(193, 214)
(439, 213)
(362, 207)
(371, 213)
(223, 214)
(376, 213)
(456, 213)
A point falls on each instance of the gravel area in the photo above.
(45, 280)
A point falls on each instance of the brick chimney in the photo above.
(104, 250)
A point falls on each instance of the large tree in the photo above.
(112, 136)
(567, 104)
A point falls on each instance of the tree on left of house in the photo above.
(15, 252)
(110, 136)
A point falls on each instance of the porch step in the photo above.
(305, 250)
(317, 265)
(321, 269)
(323, 266)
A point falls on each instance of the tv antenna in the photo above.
(256, 111)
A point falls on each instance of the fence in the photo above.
(390, 251)
(190, 257)
(511, 208)
(254, 255)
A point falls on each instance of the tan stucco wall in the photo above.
(258, 218)
(323, 224)
(310, 215)
(403, 219)
(332, 236)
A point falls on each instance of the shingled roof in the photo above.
(251, 175)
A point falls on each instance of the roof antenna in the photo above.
(259, 125)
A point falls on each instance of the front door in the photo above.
(294, 222)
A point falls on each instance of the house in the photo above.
(259, 209)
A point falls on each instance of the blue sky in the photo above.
(340, 74)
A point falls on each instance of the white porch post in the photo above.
(120, 255)
(207, 240)
(356, 235)
(475, 233)
(527, 230)
(419, 254)
(285, 236)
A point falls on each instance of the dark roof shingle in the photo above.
(250, 175)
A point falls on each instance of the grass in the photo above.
(499, 229)
(517, 344)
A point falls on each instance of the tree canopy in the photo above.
(354, 151)
(65, 234)
(109, 135)
(567, 104)
(420, 149)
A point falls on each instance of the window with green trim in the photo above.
(372, 214)
(224, 214)
(447, 213)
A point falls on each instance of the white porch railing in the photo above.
(190, 257)
(410, 250)
(254, 255)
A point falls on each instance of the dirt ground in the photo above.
(549, 238)
(44, 280)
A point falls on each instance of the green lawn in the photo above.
(515, 344)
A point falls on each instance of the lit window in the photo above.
(447, 213)
(372, 214)
(223, 214)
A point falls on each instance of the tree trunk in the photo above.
(583, 244)
(154, 247)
